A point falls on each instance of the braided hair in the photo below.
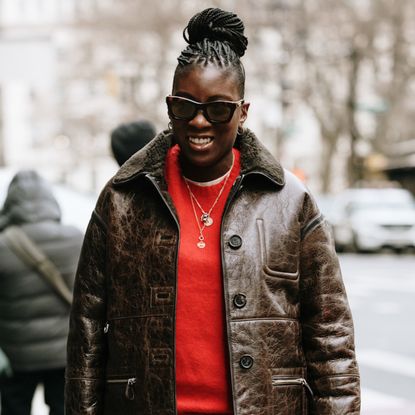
(215, 37)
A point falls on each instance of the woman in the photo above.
(208, 282)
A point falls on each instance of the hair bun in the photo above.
(217, 25)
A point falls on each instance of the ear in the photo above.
(244, 112)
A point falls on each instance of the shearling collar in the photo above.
(255, 158)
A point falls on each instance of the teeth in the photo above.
(200, 140)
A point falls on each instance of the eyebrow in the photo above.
(210, 99)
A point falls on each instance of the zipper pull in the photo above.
(106, 327)
(307, 386)
(129, 390)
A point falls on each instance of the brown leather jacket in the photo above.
(289, 328)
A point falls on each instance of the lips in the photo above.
(200, 143)
(200, 140)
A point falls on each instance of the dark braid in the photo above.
(215, 37)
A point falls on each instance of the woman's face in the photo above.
(206, 148)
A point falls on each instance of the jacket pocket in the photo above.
(127, 385)
(290, 393)
(281, 381)
(279, 253)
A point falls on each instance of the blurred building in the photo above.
(322, 97)
(75, 69)
(49, 108)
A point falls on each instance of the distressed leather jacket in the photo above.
(289, 327)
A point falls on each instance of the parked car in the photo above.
(371, 219)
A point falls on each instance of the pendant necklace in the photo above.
(205, 219)
(201, 243)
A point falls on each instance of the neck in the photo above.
(207, 173)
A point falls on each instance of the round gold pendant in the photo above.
(201, 244)
(206, 219)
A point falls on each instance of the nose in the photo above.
(199, 120)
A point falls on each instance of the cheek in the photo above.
(232, 129)
(178, 126)
(228, 136)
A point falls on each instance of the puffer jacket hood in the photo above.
(29, 200)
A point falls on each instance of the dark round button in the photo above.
(246, 362)
(235, 242)
(239, 301)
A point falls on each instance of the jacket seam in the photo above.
(312, 225)
(112, 318)
(244, 320)
(233, 192)
(339, 375)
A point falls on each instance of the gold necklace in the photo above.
(205, 219)
(201, 244)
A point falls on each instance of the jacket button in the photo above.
(235, 242)
(246, 362)
(239, 301)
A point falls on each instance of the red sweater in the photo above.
(202, 367)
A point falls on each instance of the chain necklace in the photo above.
(205, 219)
(201, 244)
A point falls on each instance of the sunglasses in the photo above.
(216, 112)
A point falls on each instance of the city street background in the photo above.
(331, 83)
(381, 289)
(332, 90)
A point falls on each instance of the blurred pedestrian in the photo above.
(128, 138)
(33, 317)
(208, 281)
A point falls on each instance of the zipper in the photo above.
(112, 319)
(129, 388)
(175, 281)
(235, 190)
(277, 381)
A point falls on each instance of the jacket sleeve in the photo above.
(85, 372)
(327, 326)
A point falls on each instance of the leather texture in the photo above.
(289, 327)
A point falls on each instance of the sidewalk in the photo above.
(407, 410)
(377, 403)
(373, 403)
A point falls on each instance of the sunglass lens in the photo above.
(182, 108)
(219, 111)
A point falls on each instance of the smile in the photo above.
(200, 140)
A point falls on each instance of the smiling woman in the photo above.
(206, 140)
(208, 281)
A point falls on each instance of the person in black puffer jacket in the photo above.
(33, 319)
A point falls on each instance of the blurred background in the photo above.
(332, 91)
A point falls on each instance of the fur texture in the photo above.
(151, 159)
